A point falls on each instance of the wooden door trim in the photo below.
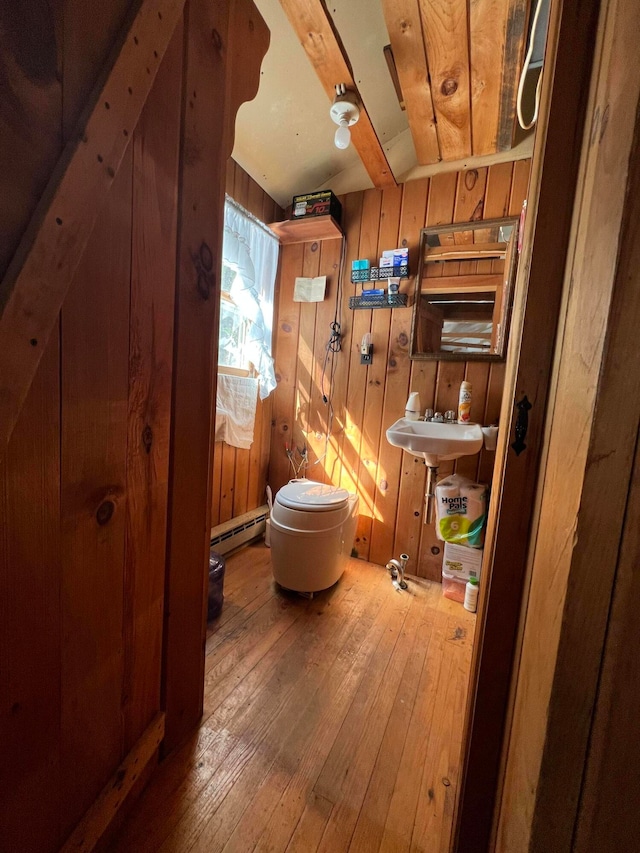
(575, 566)
(224, 47)
(539, 289)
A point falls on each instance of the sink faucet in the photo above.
(435, 417)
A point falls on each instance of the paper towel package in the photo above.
(461, 563)
(458, 565)
(461, 511)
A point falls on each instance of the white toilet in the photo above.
(312, 531)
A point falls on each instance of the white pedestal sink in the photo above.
(435, 442)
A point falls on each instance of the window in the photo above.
(233, 327)
(249, 264)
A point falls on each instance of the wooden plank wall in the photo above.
(240, 476)
(84, 483)
(366, 400)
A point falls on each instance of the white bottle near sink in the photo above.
(412, 409)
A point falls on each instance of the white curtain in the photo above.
(251, 251)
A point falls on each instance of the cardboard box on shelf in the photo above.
(316, 204)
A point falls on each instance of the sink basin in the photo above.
(435, 442)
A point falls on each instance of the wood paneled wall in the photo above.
(366, 400)
(240, 476)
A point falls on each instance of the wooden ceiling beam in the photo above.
(496, 36)
(36, 283)
(404, 26)
(317, 34)
(446, 35)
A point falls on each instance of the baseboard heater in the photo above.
(229, 535)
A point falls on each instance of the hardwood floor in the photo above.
(330, 725)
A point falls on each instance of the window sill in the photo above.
(234, 371)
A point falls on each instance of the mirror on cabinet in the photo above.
(464, 290)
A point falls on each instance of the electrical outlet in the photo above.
(367, 357)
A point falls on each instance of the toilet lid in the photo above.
(310, 496)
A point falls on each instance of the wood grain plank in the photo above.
(519, 185)
(496, 35)
(94, 825)
(30, 112)
(306, 372)
(603, 819)
(446, 35)
(321, 421)
(318, 36)
(30, 617)
(443, 393)
(154, 202)
(352, 214)
(255, 483)
(241, 481)
(38, 278)
(306, 230)
(400, 817)
(216, 480)
(336, 386)
(404, 26)
(475, 283)
(434, 811)
(398, 374)
(377, 373)
(95, 393)
(265, 448)
(285, 365)
(515, 46)
(227, 482)
(223, 73)
(352, 444)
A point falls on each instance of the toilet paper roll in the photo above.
(473, 491)
(475, 509)
(447, 502)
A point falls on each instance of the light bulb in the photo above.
(343, 135)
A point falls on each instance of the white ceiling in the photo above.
(284, 137)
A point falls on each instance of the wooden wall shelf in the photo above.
(306, 230)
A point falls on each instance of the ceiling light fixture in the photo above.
(345, 112)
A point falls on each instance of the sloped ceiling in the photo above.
(284, 137)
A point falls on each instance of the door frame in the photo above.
(553, 188)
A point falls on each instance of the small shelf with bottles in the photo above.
(393, 266)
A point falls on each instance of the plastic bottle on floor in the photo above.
(471, 595)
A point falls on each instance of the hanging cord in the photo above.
(297, 467)
(334, 345)
(523, 75)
